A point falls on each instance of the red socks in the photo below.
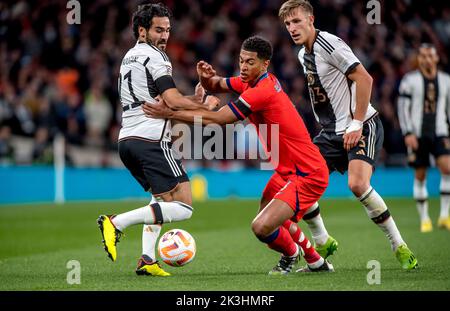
(282, 242)
(311, 256)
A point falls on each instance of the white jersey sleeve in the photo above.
(160, 69)
(160, 66)
(448, 98)
(339, 53)
(404, 103)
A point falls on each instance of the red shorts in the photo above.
(299, 192)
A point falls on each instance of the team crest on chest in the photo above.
(277, 86)
(310, 78)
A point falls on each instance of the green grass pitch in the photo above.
(37, 241)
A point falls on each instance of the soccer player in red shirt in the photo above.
(301, 173)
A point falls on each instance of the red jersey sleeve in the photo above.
(251, 100)
(235, 84)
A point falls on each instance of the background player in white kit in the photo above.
(352, 133)
(145, 143)
(424, 115)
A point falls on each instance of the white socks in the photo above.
(155, 213)
(150, 234)
(391, 231)
(141, 215)
(445, 196)
(377, 210)
(420, 194)
(315, 224)
(317, 264)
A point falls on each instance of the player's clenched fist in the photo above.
(205, 70)
(353, 134)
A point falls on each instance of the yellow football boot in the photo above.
(426, 226)
(327, 249)
(406, 258)
(148, 267)
(110, 235)
(444, 223)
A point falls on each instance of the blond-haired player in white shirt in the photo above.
(352, 133)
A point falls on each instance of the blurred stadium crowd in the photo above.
(61, 78)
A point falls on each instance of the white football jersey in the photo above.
(424, 105)
(145, 73)
(332, 93)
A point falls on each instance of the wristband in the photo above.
(354, 126)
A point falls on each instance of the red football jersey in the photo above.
(267, 103)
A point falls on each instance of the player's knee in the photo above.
(358, 187)
(260, 229)
(183, 193)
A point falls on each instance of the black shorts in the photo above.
(437, 146)
(368, 148)
(152, 164)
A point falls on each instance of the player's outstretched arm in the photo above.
(222, 116)
(175, 100)
(209, 78)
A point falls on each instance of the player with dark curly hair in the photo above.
(145, 144)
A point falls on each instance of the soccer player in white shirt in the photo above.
(352, 133)
(145, 143)
(424, 115)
